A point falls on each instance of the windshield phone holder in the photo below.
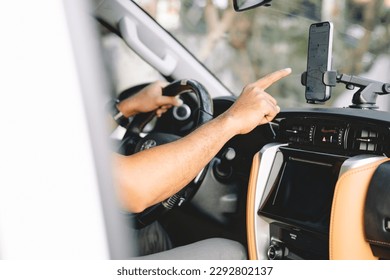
(365, 97)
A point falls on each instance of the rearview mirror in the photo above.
(242, 5)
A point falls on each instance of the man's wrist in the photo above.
(127, 107)
(230, 123)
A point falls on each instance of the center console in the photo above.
(295, 180)
(299, 202)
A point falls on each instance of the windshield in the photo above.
(241, 47)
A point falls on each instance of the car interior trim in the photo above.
(250, 207)
(258, 228)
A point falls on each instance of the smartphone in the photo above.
(319, 60)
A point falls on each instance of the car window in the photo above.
(121, 62)
(241, 47)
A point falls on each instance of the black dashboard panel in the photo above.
(336, 130)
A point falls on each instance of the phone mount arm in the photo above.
(365, 97)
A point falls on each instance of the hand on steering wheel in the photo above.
(132, 138)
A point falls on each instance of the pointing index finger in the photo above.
(273, 77)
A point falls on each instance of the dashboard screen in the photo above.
(303, 193)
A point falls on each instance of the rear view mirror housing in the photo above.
(242, 5)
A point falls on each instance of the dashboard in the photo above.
(294, 168)
(294, 207)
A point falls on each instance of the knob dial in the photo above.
(275, 252)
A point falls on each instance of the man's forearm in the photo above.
(149, 176)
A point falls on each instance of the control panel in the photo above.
(334, 135)
(289, 243)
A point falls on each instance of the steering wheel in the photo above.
(132, 142)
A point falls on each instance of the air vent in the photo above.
(298, 133)
(366, 140)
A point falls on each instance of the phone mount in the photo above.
(364, 98)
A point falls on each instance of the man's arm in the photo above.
(153, 175)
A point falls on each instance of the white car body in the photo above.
(50, 182)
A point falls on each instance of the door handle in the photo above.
(128, 29)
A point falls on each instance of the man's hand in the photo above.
(149, 99)
(254, 106)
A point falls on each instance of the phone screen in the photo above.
(318, 61)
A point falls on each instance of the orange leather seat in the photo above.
(346, 235)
